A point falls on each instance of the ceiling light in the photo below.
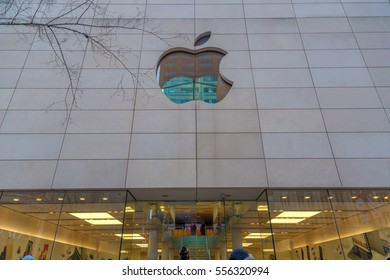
(307, 197)
(354, 197)
(124, 252)
(284, 197)
(268, 250)
(104, 222)
(257, 235)
(60, 199)
(38, 199)
(82, 198)
(246, 244)
(386, 197)
(142, 245)
(330, 197)
(229, 250)
(105, 198)
(376, 197)
(129, 209)
(16, 199)
(297, 214)
(92, 215)
(286, 220)
(262, 208)
(127, 236)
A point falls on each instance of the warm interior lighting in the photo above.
(92, 215)
(38, 199)
(82, 198)
(97, 218)
(354, 197)
(268, 250)
(244, 244)
(293, 217)
(104, 222)
(257, 235)
(142, 245)
(298, 214)
(307, 197)
(284, 197)
(128, 236)
(386, 197)
(262, 208)
(376, 197)
(16, 199)
(330, 197)
(286, 220)
(105, 198)
(129, 209)
(60, 199)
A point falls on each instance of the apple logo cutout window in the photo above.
(186, 75)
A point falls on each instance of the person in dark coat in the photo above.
(184, 253)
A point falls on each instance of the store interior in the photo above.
(316, 224)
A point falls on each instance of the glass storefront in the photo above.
(280, 224)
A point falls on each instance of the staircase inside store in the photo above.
(198, 246)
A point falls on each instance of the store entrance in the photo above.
(210, 229)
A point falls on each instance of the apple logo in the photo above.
(186, 75)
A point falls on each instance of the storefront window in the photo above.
(90, 226)
(28, 224)
(363, 221)
(281, 224)
(303, 225)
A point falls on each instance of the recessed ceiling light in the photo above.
(262, 207)
(142, 245)
(82, 198)
(92, 215)
(386, 197)
(268, 250)
(38, 199)
(16, 199)
(307, 197)
(104, 222)
(286, 220)
(297, 214)
(257, 235)
(105, 198)
(245, 244)
(60, 198)
(376, 197)
(127, 236)
(354, 197)
(284, 197)
(129, 209)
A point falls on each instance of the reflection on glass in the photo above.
(185, 75)
(88, 226)
(363, 219)
(281, 224)
(28, 224)
(266, 241)
(303, 225)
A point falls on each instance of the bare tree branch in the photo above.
(85, 22)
